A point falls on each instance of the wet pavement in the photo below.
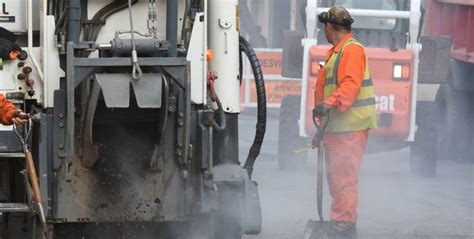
(393, 203)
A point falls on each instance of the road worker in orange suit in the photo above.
(345, 95)
(9, 50)
(9, 114)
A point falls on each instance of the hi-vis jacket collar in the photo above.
(338, 47)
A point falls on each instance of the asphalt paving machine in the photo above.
(134, 109)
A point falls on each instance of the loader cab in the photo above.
(388, 29)
(404, 75)
(385, 40)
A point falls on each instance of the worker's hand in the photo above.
(321, 110)
(316, 142)
(20, 117)
(8, 49)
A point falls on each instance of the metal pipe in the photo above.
(104, 46)
(14, 207)
(223, 39)
(372, 13)
(309, 41)
(70, 86)
(172, 26)
(415, 8)
(74, 21)
(141, 46)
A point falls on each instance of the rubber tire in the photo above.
(288, 134)
(423, 159)
(453, 127)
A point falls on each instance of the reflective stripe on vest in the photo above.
(361, 115)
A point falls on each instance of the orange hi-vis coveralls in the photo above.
(7, 111)
(344, 146)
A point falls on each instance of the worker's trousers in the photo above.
(344, 153)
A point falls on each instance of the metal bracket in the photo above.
(59, 153)
(79, 69)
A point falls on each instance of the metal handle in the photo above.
(321, 157)
(27, 132)
(31, 170)
(321, 127)
(319, 182)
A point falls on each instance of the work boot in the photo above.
(344, 230)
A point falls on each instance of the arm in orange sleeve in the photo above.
(319, 87)
(350, 77)
(7, 111)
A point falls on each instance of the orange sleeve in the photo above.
(350, 77)
(7, 111)
(319, 87)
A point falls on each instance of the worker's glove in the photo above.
(316, 142)
(19, 117)
(8, 49)
(321, 110)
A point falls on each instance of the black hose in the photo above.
(166, 87)
(60, 23)
(92, 28)
(261, 105)
(98, 20)
(60, 15)
(222, 118)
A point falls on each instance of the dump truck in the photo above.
(410, 68)
(134, 111)
(449, 62)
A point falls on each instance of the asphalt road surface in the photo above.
(393, 203)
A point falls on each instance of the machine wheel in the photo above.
(288, 133)
(453, 123)
(227, 219)
(423, 158)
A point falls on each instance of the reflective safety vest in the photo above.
(361, 115)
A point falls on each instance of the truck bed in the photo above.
(456, 19)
